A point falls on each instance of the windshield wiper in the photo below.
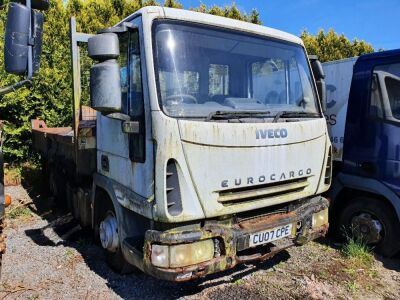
(294, 114)
(226, 115)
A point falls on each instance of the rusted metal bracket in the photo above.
(76, 39)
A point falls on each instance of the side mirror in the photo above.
(23, 34)
(319, 76)
(16, 45)
(105, 77)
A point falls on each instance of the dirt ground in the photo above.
(50, 257)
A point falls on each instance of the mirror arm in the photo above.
(30, 49)
(119, 29)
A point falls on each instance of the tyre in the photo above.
(373, 221)
(110, 241)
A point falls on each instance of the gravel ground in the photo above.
(49, 257)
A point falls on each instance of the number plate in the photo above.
(267, 236)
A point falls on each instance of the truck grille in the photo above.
(269, 190)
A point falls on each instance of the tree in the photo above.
(333, 46)
(230, 12)
(172, 3)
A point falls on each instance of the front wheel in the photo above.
(374, 222)
(110, 241)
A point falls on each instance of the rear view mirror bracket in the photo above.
(119, 29)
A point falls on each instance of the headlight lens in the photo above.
(182, 255)
(320, 218)
(160, 256)
(190, 254)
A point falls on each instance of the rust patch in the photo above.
(262, 222)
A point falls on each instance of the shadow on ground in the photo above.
(64, 230)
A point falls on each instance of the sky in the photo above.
(375, 21)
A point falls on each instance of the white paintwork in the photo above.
(111, 141)
(202, 18)
(338, 78)
(208, 153)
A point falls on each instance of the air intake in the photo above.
(328, 170)
(264, 191)
(173, 192)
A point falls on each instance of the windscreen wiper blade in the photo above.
(295, 114)
(226, 115)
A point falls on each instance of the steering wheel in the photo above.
(185, 98)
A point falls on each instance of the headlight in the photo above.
(160, 256)
(320, 218)
(182, 255)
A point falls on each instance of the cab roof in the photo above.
(187, 15)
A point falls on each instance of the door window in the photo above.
(385, 92)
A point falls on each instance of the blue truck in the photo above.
(363, 115)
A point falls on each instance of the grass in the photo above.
(12, 175)
(238, 282)
(69, 253)
(27, 172)
(357, 249)
(19, 212)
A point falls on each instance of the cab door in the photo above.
(127, 159)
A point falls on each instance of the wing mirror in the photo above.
(23, 37)
(319, 76)
(105, 76)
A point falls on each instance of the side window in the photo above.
(393, 90)
(376, 109)
(385, 92)
(218, 80)
(191, 80)
(136, 103)
(123, 63)
(269, 81)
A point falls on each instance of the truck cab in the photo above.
(366, 188)
(209, 147)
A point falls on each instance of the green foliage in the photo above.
(355, 248)
(20, 212)
(230, 12)
(332, 46)
(49, 98)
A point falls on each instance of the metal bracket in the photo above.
(76, 38)
(122, 28)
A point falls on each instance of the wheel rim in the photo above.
(368, 227)
(109, 232)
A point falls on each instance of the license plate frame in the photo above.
(267, 236)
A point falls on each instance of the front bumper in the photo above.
(232, 240)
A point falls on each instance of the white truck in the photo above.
(209, 147)
(338, 76)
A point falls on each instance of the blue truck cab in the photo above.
(364, 118)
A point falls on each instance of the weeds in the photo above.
(357, 249)
(238, 282)
(352, 286)
(69, 253)
(12, 175)
(19, 212)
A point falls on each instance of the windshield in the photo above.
(202, 70)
